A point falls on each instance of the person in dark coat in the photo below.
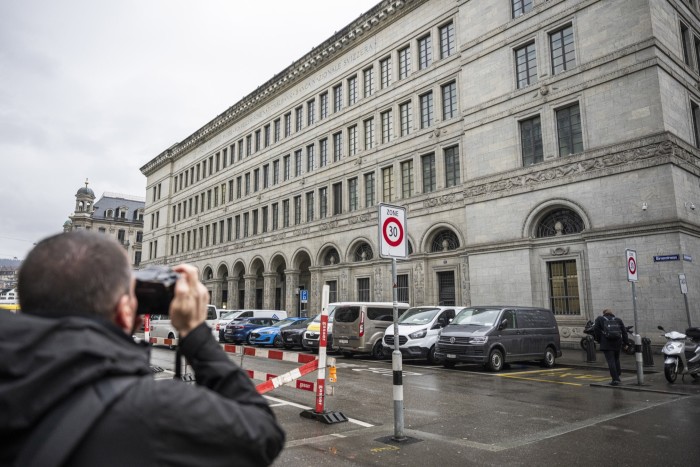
(78, 313)
(610, 348)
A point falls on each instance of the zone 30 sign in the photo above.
(392, 231)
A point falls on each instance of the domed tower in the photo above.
(84, 200)
(67, 226)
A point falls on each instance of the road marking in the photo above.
(281, 402)
(541, 380)
(554, 372)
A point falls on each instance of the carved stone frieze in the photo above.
(440, 200)
(361, 218)
(328, 225)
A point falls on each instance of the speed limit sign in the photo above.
(631, 265)
(392, 231)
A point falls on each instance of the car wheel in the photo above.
(495, 360)
(378, 350)
(172, 346)
(549, 358)
(247, 340)
(278, 343)
(431, 356)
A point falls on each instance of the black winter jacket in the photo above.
(220, 421)
(606, 344)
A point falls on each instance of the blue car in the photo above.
(239, 331)
(271, 335)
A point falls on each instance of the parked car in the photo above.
(418, 330)
(312, 335)
(239, 331)
(496, 335)
(239, 315)
(163, 328)
(359, 326)
(292, 335)
(226, 317)
(270, 335)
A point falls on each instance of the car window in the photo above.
(347, 314)
(533, 319)
(380, 313)
(477, 316)
(417, 316)
(509, 316)
(211, 312)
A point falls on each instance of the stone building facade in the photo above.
(119, 216)
(531, 142)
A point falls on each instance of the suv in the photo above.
(359, 326)
(495, 335)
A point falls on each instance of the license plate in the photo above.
(289, 339)
(449, 355)
(342, 341)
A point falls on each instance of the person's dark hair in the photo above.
(74, 273)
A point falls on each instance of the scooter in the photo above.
(681, 354)
(588, 330)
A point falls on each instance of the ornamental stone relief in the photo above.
(361, 218)
(418, 284)
(329, 225)
(378, 284)
(440, 200)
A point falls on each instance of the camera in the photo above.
(155, 289)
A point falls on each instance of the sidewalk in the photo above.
(653, 375)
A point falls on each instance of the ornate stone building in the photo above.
(116, 215)
(531, 141)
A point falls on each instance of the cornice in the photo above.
(374, 20)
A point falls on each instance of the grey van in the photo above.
(495, 335)
(359, 326)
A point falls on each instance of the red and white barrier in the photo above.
(273, 382)
(163, 341)
(270, 353)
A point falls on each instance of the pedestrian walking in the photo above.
(610, 332)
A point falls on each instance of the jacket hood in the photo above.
(43, 360)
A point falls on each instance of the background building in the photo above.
(532, 143)
(116, 215)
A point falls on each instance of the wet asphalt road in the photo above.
(525, 415)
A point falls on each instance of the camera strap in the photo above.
(60, 431)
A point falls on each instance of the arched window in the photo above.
(444, 240)
(332, 257)
(559, 222)
(363, 252)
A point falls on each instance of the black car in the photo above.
(292, 334)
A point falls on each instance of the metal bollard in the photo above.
(647, 355)
(590, 350)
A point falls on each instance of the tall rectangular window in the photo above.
(429, 176)
(258, 141)
(569, 132)
(297, 210)
(310, 162)
(248, 145)
(275, 172)
(449, 101)
(563, 51)
(267, 135)
(266, 175)
(563, 288)
(352, 194)
(247, 184)
(322, 202)
(352, 90)
(332, 291)
(277, 129)
(368, 81)
(531, 141)
(369, 133)
(238, 227)
(310, 206)
(520, 7)
(369, 189)
(387, 126)
(286, 169)
(240, 150)
(447, 40)
(255, 222)
(337, 98)
(404, 62)
(385, 72)
(246, 220)
(387, 184)
(352, 140)
(323, 152)
(526, 65)
(239, 187)
(256, 180)
(426, 110)
(337, 198)
(297, 163)
(407, 179)
(402, 288)
(285, 213)
(298, 118)
(406, 118)
(363, 293)
(425, 52)
(324, 106)
(264, 215)
(452, 167)
(310, 112)
(337, 146)
(695, 110)
(275, 216)
(287, 124)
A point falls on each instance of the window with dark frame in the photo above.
(452, 177)
(449, 100)
(563, 287)
(521, 7)
(426, 110)
(406, 118)
(404, 62)
(429, 176)
(368, 78)
(352, 90)
(369, 189)
(388, 184)
(323, 202)
(562, 49)
(526, 65)
(425, 52)
(387, 126)
(363, 289)
(447, 40)
(407, 179)
(402, 288)
(569, 131)
(337, 198)
(695, 110)
(352, 194)
(531, 141)
(369, 133)
(385, 72)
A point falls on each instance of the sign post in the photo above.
(632, 277)
(393, 244)
(684, 291)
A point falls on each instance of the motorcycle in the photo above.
(588, 330)
(681, 354)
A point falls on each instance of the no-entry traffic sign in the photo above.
(631, 265)
(392, 231)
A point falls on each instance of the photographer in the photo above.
(72, 344)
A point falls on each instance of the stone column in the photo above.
(270, 284)
(465, 285)
(250, 283)
(315, 292)
(291, 297)
(215, 287)
(232, 293)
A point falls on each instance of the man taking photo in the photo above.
(72, 344)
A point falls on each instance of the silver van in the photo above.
(359, 326)
(496, 335)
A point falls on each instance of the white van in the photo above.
(418, 330)
(163, 328)
(238, 315)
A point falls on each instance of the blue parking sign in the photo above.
(304, 295)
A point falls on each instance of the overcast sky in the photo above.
(97, 88)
